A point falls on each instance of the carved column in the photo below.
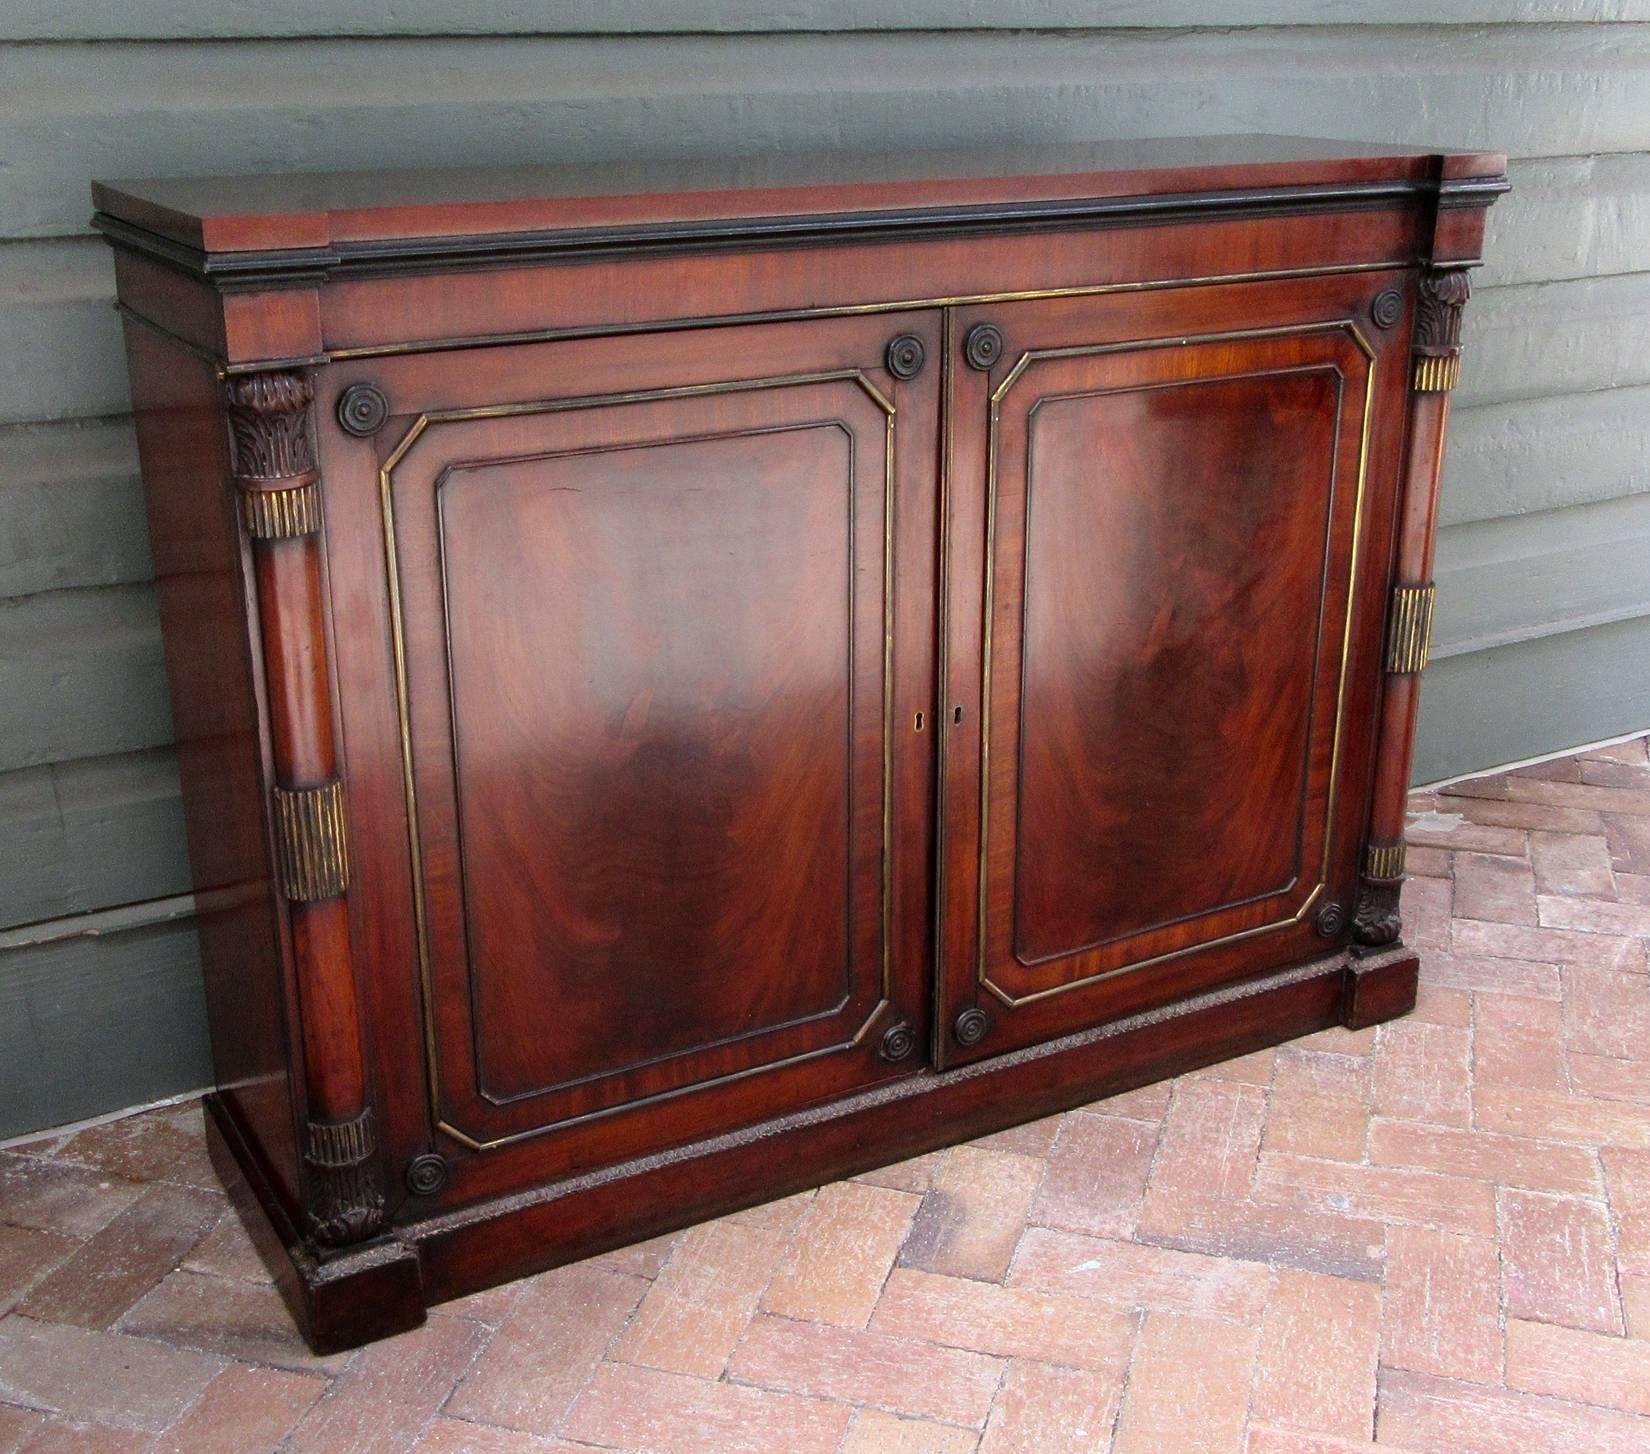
(1434, 369)
(278, 491)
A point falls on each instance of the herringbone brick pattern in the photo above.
(1432, 1237)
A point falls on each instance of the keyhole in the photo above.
(956, 716)
(917, 725)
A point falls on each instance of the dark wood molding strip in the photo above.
(308, 267)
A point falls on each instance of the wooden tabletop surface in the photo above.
(318, 210)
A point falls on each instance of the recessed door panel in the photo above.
(652, 655)
(657, 780)
(1169, 514)
(1167, 651)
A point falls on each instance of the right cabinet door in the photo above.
(1166, 545)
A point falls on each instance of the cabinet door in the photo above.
(663, 613)
(1160, 515)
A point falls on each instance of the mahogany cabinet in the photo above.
(692, 681)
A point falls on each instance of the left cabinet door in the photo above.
(662, 619)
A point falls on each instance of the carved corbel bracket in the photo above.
(346, 1189)
(274, 459)
(1375, 919)
(1442, 295)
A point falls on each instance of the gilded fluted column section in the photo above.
(278, 493)
(1435, 366)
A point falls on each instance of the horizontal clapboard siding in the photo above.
(84, 676)
(1569, 217)
(83, 835)
(74, 111)
(107, 1018)
(1542, 454)
(1573, 568)
(71, 508)
(245, 19)
(1517, 700)
(1543, 624)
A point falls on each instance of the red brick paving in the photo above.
(1428, 1238)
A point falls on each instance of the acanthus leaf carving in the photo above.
(269, 426)
(1443, 294)
(345, 1191)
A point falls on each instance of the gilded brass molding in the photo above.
(272, 457)
(447, 343)
(283, 514)
(1376, 920)
(1409, 629)
(340, 1143)
(311, 841)
(1435, 375)
(1384, 862)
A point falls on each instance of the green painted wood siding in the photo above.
(1543, 624)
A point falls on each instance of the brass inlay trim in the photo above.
(281, 514)
(1409, 631)
(1384, 861)
(404, 713)
(311, 842)
(843, 310)
(447, 343)
(1351, 329)
(1435, 373)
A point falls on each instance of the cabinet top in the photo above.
(318, 218)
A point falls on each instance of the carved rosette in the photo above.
(346, 1200)
(1443, 294)
(272, 456)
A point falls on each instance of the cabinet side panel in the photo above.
(202, 590)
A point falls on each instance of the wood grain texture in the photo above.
(663, 728)
(667, 674)
(698, 739)
(285, 92)
(204, 595)
(1118, 642)
(1082, 900)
